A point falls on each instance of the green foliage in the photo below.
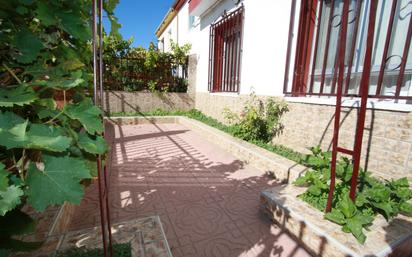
(49, 129)
(136, 68)
(259, 120)
(388, 198)
(119, 250)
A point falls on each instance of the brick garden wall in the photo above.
(119, 101)
(387, 144)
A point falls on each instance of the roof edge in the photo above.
(171, 13)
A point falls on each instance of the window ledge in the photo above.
(231, 94)
(377, 104)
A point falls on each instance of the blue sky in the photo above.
(140, 18)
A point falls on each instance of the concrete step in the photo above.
(325, 238)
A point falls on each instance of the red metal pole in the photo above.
(342, 48)
(364, 87)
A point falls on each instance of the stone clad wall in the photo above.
(119, 101)
(387, 144)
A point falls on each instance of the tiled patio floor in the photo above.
(208, 201)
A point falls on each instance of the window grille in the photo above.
(225, 52)
(316, 69)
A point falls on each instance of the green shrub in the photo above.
(259, 120)
(374, 196)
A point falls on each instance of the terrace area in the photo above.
(206, 198)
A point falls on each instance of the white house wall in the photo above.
(266, 28)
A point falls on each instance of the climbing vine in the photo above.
(50, 131)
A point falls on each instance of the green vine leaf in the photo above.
(46, 14)
(62, 176)
(20, 95)
(94, 146)
(47, 138)
(28, 45)
(12, 130)
(62, 84)
(4, 180)
(87, 114)
(10, 198)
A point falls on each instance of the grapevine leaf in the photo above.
(47, 138)
(110, 5)
(12, 130)
(21, 10)
(74, 26)
(45, 14)
(28, 45)
(19, 95)
(4, 180)
(16, 222)
(9, 199)
(61, 176)
(88, 115)
(94, 146)
(64, 84)
(72, 64)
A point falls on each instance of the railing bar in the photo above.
(386, 48)
(315, 52)
(232, 40)
(237, 19)
(404, 59)
(210, 58)
(305, 52)
(353, 48)
(297, 66)
(325, 60)
(227, 33)
(290, 40)
(241, 14)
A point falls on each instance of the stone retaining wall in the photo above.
(119, 101)
(387, 144)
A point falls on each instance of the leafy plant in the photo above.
(259, 120)
(50, 131)
(388, 198)
(119, 250)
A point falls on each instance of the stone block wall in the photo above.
(120, 101)
(387, 141)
